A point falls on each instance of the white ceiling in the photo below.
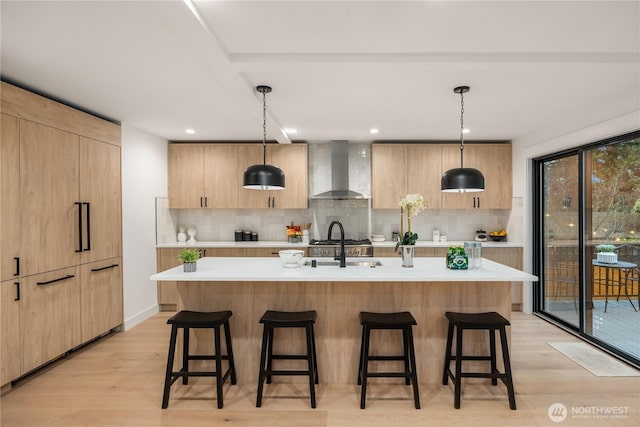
(337, 68)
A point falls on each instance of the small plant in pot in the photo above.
(189, 258)
(606, 254)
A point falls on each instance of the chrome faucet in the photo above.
(341, 257)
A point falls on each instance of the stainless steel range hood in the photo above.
(339, 175)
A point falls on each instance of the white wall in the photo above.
(525, 150)
(144, 177)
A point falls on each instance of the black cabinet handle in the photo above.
(206, 202)
(88, 248)
(478, 202)
(93, 270)
(201, 202)
(17, 260)
(273, 202)
(17, 298)
(79, 227)
(60, 279)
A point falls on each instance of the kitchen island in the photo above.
(250, 286)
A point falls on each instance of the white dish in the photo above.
(291, 265)
(290, 257)
(377, 239)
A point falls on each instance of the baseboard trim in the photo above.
(140, 317)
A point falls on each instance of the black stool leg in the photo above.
(232, 365)
(365, 366)
(447, 356)
(218, 354)
(315, 356)
(263, 357)
(185, 354)
(168, 374)
(310, 363)
(414, 373)
(458, 377)
(492, 349)
(270, 354)
(360, 358)
(405, 349)
(507, 368)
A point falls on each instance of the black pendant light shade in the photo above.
(263, 176)
(462, 180)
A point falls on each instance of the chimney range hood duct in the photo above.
(339, 175)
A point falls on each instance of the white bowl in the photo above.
(377, 237)
(291, 257)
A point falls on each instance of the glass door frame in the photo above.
(584, 258)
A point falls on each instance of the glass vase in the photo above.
(406, 251)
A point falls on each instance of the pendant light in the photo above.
(462, 180)
(263, 176)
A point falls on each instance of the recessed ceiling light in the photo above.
(373, 130)
(291, 131)
(465, 130)
(190, 131)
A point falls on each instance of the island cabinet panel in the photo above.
(100, 297)
(10, 331)
(50, 316)
(494, 161)
(513, 258)
(337, 329)
(10, 218)
(167, 258)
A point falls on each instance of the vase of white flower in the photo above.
(411, 205)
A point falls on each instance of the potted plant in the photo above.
(411, 205)
(606, 254)
(189, 258)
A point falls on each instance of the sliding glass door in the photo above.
(587, 201)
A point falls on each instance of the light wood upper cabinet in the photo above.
(494, 161)
(50, 315)
(50, 181)
(388, 175)
(10, 202)
(424, 163)
(221, 179)
(10, 354)
(100, 297)
(210, 176)
(400, 169)
(186, 176)
(100, 194)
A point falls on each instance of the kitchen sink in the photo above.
(331, 263)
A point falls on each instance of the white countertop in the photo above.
(270, 270)
(285, 244)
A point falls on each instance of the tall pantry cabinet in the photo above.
(60, 220)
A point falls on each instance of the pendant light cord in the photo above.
(264, 128)
(461, 128)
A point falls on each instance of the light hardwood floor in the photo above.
(118, 382)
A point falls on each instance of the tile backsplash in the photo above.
(358, 219)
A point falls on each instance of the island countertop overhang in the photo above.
(267, 269)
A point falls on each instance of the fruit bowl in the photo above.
(497, 238)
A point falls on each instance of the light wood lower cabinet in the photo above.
(50, 315)
(10, 366)
(100, 297)
(10, 205)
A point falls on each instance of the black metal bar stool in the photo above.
(186, 320)
(403, 321)
(286, 319)
(491, 322)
